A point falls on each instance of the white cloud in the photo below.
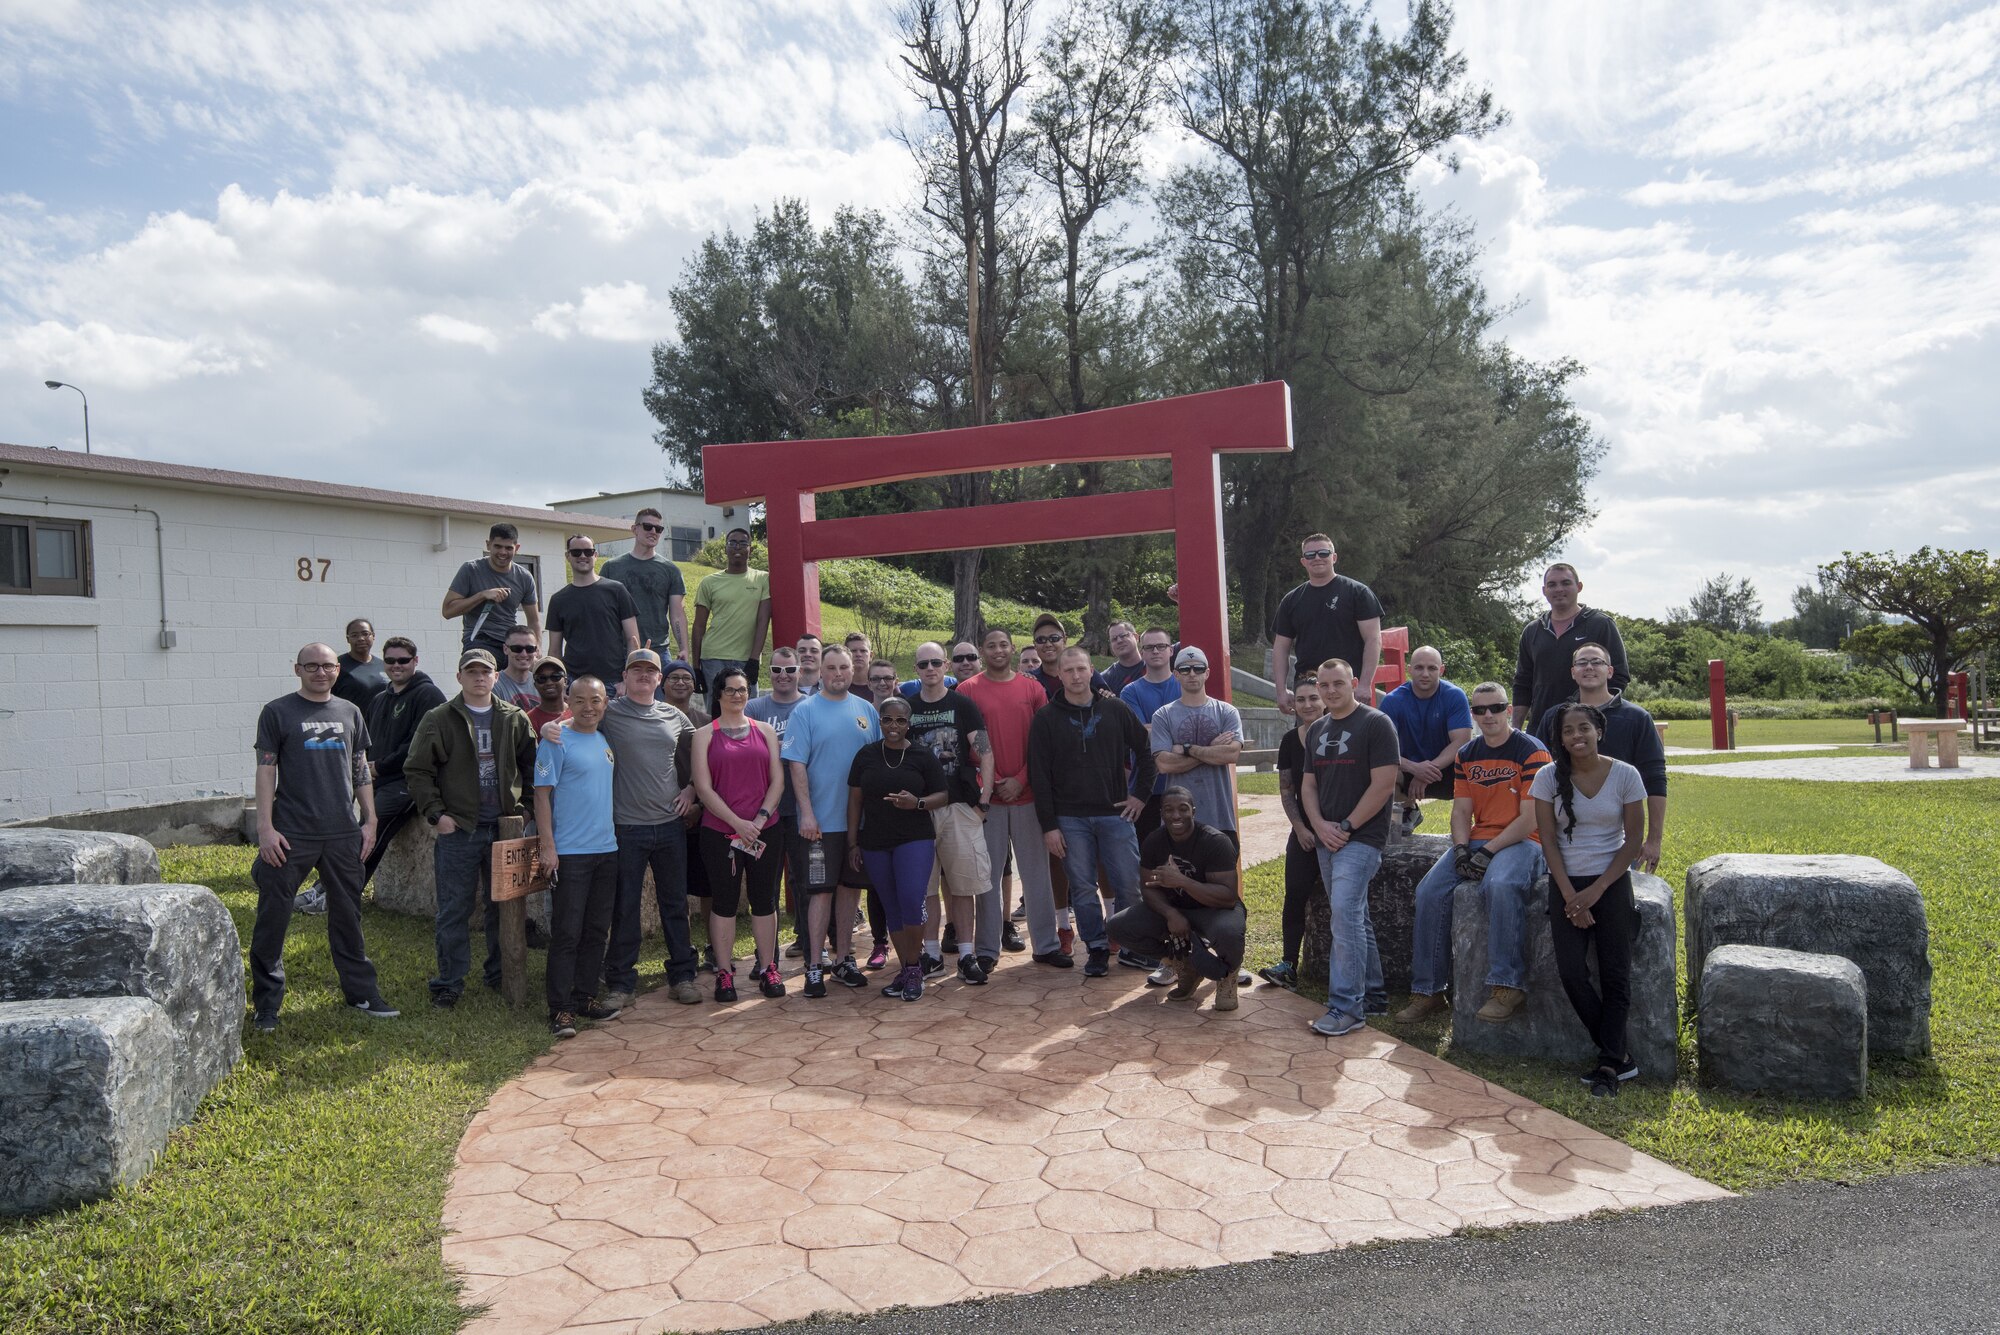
(450, 329)
(612, 312)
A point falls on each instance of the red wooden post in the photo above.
(1393, 670)
(794, 599)
(1197, 529)
(1958, 694)
(1718, 707)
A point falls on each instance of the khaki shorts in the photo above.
(962, 860)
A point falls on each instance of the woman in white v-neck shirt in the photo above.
(1591, 812)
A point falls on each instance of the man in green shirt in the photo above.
(655, 584)
(732, 610)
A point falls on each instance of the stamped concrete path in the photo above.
(705, 1167)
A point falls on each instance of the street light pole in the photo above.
(59, 384)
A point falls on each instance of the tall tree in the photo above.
(1822, 617)
(1722, 604)
(1952, 597)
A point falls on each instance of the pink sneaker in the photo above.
(1065, 939)
(770, 982)
(878, 958)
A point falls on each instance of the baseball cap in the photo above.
(476, 658)
(1190, 656)
(638, 656)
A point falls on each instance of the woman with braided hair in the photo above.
(1591, 812)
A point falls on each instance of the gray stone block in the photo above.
(85, 1086)
(175, 945)
(30, 855)
(1858, 908)
(1392, 904)
(1546, 1026)
(1783, 1022)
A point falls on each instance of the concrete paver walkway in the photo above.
(708, 1167)
(1848, 769)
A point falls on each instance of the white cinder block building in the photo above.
(690, 519)
(148, 610)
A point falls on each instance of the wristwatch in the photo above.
(763, 813)
(1345, 826)
(1185, 749)
(435, 819)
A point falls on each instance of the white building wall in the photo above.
(95, 715)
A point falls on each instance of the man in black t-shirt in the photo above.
(951, 727)
(1328, 616)
(1191, 908)
(362, 677)
(593, 622)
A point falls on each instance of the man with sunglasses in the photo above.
(1328, 616)
(593, 622)
(732, 610)
(551, 694)
(655, 584)
(393, 719)
(515, 682)
(1629, 735)
(311, 775)
(946, 722)
(1050, 637)
(1432, 723)
(1494, 842)
(493, 593)
(1196, 741)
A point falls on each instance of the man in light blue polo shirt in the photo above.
(579, 846)
(821, 740)
(1432, 721)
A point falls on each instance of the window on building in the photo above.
(687, 541)
(44, 556)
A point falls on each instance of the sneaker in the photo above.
(1225, 994)
(1164, 976)
(1184, 978)
(1604, 1084)
(685, 992)
(796, 950)
(1065, 939)
(1413, 816)
(376, 1009)
(932, 965)
(1132, 959)
(970, 973)
(878, 958)
(770, 982)
(1056, 959)
(1020, 913)
(987, 964)
(614, 997)
(914, 989)
(1098, 964)
(1422, 1007)
(1010, 940)
(310, 900)
(598, 1010)
(815, 981)
(708, 959)
(845, 973)
(1621, 1071)
(443, 1001)
(1500, 1007)
(1333, 1024)
(266, 1024)
(1375, 1006)
(562, 1024)
(948, 940)
(1282, 974)
(893, 989)
(725, 986)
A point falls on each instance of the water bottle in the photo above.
(816, 863)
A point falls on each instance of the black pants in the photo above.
(579, 921)
(1302, 882)
(729, 871)
(1602, 1008)
(1140, 928)
(393, 810)
(339, 864)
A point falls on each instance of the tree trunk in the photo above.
(965, 594)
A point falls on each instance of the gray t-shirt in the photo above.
(644, 784)
(651, 583)
(520, 693)
(1175, 724)
(486, 625)
(1600, 820)
(766, 710)
(320, 750)
(1342, 755)
(489, 766)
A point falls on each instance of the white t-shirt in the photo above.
(1600, 820)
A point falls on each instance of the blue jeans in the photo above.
(1109, 842)
(1505, 888)
(462, 863)
(1354, 965)
(664, 848)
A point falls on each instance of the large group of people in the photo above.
(641, 750)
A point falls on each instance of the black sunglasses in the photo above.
(398, 662)
(1048, 639)
(1489, 709)
(962, 658)
(1192, 668)
(1319, 554)
(548, 676)
(512, 649)
(583, 551)
(653, 528)
(930, 662)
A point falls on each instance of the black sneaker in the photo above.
(1010, 940)
(913, 990)
(1375, 1006)
(1132, 959)
(1098, 964)
(376, 1009)
(1282, 975)
(969, 971)
(845, 973)
(893, 989)
(948, 940)
(1055, 959)
(266, 1024)
(1604, 1085)
(443, 1001)
(1413, 816)
(590, 1010)
(725, 985)
(708, 959)
(562, 1024)
(932, 965)
(987, 964)
(815, 981)
(770, 982)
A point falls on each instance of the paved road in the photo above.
(1911, 1254)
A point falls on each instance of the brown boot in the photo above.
(1225, 993)
(1422, 1007)
(1188, 981)
(1500, 1007)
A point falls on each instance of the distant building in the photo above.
(147, 610)
(690, 519)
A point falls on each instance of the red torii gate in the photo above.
(1191, 431)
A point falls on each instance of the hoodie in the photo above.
(393, 717)
(1077, 755)
(1629, 735)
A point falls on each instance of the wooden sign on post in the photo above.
(516, 874)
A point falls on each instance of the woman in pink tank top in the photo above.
(739, 779)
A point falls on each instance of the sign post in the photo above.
(516, 874)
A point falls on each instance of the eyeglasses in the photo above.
(961, 658)
(930, 662)
(1192, 669)
(319, 667)
(736, 690)
(399, 662)
(1155, 648)
(777, 671)
(1500, 708)
(1317, 554)
(1048, 639)
(1592, 662)
(583, 551)
(653, 528)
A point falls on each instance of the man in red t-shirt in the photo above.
(1009, 702)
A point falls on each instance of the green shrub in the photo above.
(712, 553)
(1668, 709)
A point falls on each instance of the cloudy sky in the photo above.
(370, 242)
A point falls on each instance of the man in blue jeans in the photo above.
(1351, 768)
(1078, 746)
(469, 765)
(1494, 842)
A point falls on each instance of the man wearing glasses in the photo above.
(1328, 616)
(1050, 637)
(950, 725)
(1432, 723)
(515, 682)
(311, 774)
(732, 610)
(1629, 735)
(393, 719)
(490, 593)
(593, 622)
(1196, 740)
(655, 584)
(1550, 642)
